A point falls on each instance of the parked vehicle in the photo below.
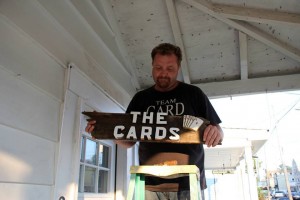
(278, 194)
(296, 195)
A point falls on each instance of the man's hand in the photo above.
(213, 135)
(90, 126)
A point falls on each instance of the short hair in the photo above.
(167, 49)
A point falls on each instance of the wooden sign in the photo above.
(148, 127)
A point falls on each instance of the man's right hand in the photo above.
(90, 126)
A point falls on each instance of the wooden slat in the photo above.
(28, 108)
(165, 171)
(243, 55)
(257, 15)
(119, 126)
(253, 85)
(130, 66)
(178, 39)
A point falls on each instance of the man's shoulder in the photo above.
(147, 90)
(144, 92)
(189, 87)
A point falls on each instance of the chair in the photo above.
(138, 173)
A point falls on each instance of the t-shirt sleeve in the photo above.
(207, 108)
(133, 105)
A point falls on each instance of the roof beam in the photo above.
(267, 39)
(243, 55)
(250, 86)
(178, 39)
(252, 31)
(256, 15)
(118, 38)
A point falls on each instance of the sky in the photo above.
(277, 112)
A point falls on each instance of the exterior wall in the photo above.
(39, 108)
(81, 95)
(29, 132)
(36, 33)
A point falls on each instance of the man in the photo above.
(171, 96)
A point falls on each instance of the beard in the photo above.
(163, 82)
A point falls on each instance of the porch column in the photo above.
(240, 170)
(125, 159)
(251, 176)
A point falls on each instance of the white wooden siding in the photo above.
(29, 130)
(68, 154)
(25, 158)
(93, 95)
(89, 98)
(27, 108)
(16, 191)
(71, 38)
(39, 123)
(29, 61)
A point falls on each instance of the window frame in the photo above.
(84, 164)
(111, 161)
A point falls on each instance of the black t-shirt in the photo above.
(185, 99)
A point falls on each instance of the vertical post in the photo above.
(240, 170)
(243, 55)
(245, 180)
(122, 168)
(284, 170)
(251, 175)
(194, 190)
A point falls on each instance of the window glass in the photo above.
(89, 179)
(82, 150)
(90, 152)
(94, 166)
(102, 184)
(103, 156)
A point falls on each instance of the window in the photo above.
(94, 166)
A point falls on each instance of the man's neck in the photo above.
(166, 89)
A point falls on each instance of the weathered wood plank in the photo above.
(148, 127)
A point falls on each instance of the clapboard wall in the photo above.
(39, 120)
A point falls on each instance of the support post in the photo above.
(251, 175)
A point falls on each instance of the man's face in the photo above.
(164, 71)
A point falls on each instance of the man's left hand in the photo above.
(213, 135)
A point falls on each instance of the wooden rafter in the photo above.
(124, 53)
(250, 86)
(178, 39)
(256, 15)
(243, 56)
